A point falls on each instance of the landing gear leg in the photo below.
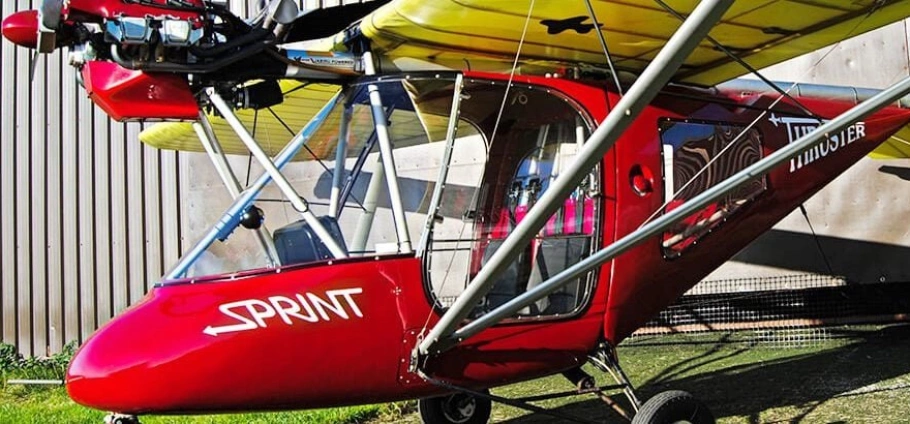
(457, 408)
(121, 419)
(605, 359)
(672, 406)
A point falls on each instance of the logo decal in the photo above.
(253, 314)
(576, 24)
(799, 127)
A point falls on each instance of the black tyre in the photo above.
(671, 407)
(458, 408)
(121, 419)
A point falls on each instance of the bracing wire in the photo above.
(249, 162)
(505, 97)
(310, 151)
(743, 63)
(603, 45)
(818, 243)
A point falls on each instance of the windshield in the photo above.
(367, 202)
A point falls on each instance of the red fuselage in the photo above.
(342, 332)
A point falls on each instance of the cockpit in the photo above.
(437, 166)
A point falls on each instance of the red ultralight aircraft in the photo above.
(498, 202)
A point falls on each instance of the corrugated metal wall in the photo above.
(89, 217)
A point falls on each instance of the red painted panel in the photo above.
(283, 336)
(135, 95)
(313, 336)
(307, 337)
(115, 8)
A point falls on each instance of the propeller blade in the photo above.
(33, 66)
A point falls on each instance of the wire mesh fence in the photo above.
(787, 311)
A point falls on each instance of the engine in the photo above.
(145, 59)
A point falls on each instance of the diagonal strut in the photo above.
(654, 77)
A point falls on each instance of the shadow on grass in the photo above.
(803, 381)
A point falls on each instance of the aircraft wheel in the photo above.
(674, 406)
(458, 408)
(121, 419)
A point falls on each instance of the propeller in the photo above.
(50, 15)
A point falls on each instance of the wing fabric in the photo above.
(275, 126)
(301, 103)
(896, 147)
(484, 34)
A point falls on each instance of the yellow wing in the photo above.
(896, 147)
(484, 34)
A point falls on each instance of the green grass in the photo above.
(859, 376)
(862, 375)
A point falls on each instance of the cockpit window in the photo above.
(697, 156)
(536, 137)
(451, 201)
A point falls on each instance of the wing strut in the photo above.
(381, 122)
(341, 153)
(231, 218)
(286, 188)
(603, 45)
(654, 77)
(208, 139)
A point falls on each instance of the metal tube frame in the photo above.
(691, 206)
(207, 137)
(231, 217)
(433, 210)
(708, 12)
(603, 45)
(358, 168)
(341, 153)
(370, 203)
(283, 184)
(380, 121)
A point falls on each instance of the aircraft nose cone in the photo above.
(21, 28)
(86, 379)
(105, 374)
(156, 357)
(141, 361)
